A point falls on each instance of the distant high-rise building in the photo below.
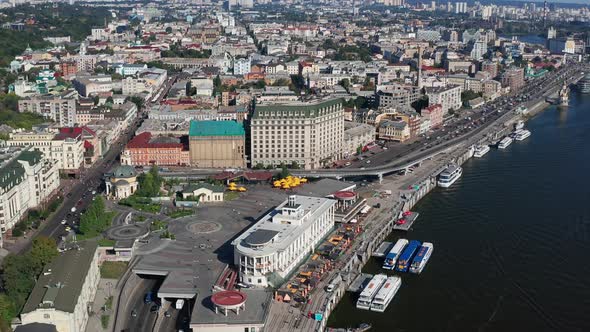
(480, 48)
(449, 6)
(460, 7)
(513, 78)
(432, 5)
(486, 12)
(551, 33)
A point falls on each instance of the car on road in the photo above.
(148, 298)
(133, 313)
(68, 229)
(167, 314)
(63, 222)
(154, 308)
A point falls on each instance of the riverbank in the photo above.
(496, 265)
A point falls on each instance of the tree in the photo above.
(43, 250)
(169, 30)
(345, 83)
(260, 84)
(259, 166)
(18, 277)
(7, 309)
(359, 149)
(284, 171)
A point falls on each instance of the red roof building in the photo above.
(144, 150)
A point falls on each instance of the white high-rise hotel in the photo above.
(310, 134)
(267, 252)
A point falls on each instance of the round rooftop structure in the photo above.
(345, 195)
(229, 300)
(124, 171)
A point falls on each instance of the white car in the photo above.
(63, 222)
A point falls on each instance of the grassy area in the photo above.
(141, 204)
(158, 225)
(180, 213)
(231, 195)
(112, 270)
(104, 321)
(106, 242)
(108, 304)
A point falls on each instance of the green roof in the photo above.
(216, 128)
(305, 108)
(60, 284)
(13, 172)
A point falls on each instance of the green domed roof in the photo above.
(124, 171)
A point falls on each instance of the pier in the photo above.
(383, 249)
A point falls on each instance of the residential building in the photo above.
(66, 151)
(242, 66)
(356, 135)
(479, 49)
(460, 7)
(434, 113)
(490, 67)
(87, 85)
(273, 247)
(397, 95)
(27, 179)
(394, 130)
(448, 97)
(513, 78)
(217, 144)
(309, 134)
(145, 149)
(65, 290)
(59, 108)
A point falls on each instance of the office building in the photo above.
(59, 108)
(448, 97)
(513, 78)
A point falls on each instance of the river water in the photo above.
(511, 237)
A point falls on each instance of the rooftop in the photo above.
(306, 108)
(60, 284)
(279, 228)
(216, 128)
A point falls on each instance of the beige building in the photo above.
(357, 135)
(394, 130)
(310, 134)
(65, 290)
(448, 97)
(122, 182)
(27, 179)
(217, 144)
(204, 192)
(66, 151)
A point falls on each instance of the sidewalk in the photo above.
(106, 288)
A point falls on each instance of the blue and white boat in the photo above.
(422, 258)
(404, 260)
(394, 253)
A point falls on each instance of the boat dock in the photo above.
(359, 282)
(410, 218)
(383, 249)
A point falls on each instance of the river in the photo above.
(511, 237)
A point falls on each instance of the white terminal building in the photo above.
(271, 249)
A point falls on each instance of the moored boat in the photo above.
(403, 263)
(422, 257)
(368, 293)
(449, 176)
(481, 150)
(386, 294)
(394, 253)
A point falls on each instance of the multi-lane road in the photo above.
(79, 192)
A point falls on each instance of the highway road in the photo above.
(140, 316)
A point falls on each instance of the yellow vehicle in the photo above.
(242, 189)
(232, 184)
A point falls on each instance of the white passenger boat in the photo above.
(521, 134)
(422, 257)
(386, 294)
(369, 292)
(481, 150)
(451, 174)
(505, 142)
(394, 253)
